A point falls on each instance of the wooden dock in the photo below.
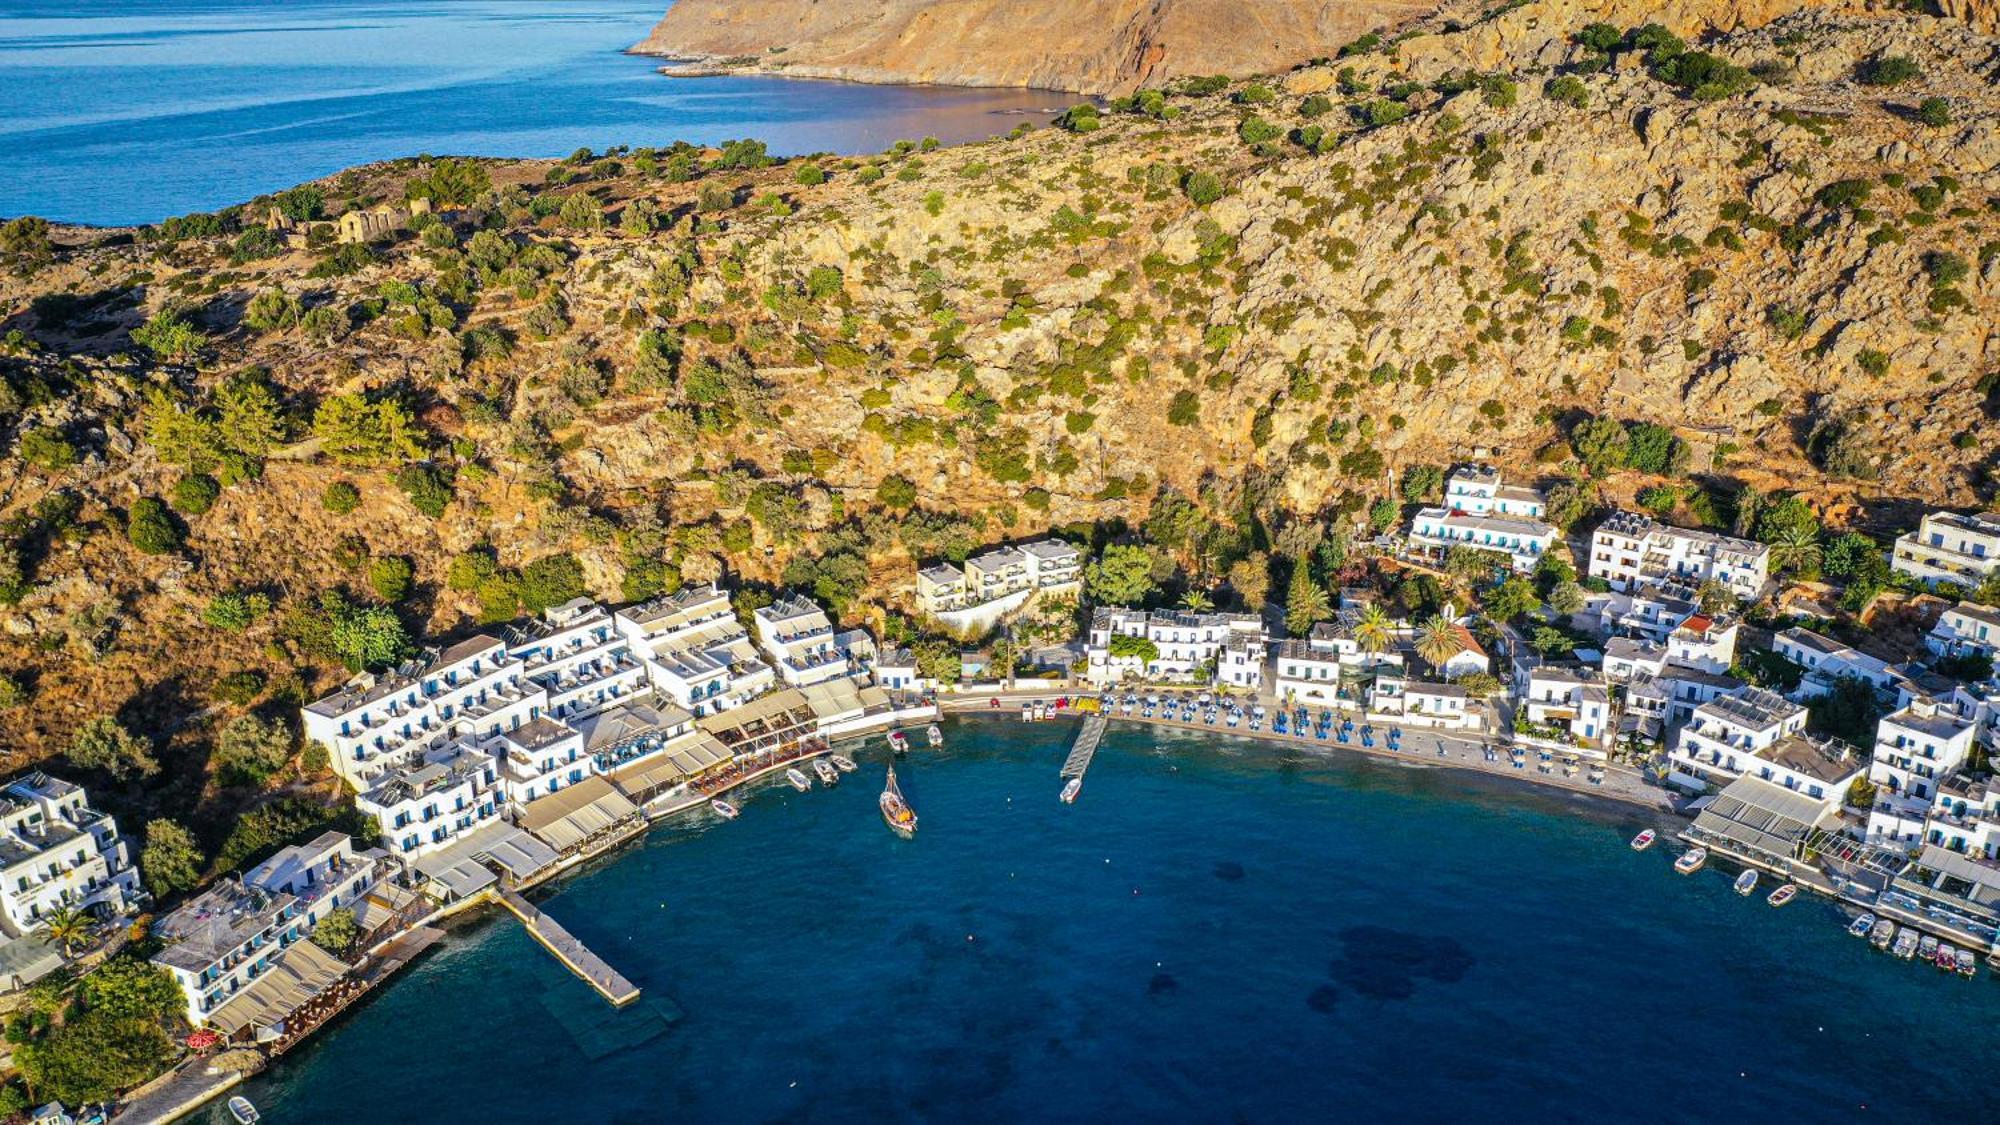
(571, 952)
(1085, 747)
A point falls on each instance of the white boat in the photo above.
(1070, 791)
(723, 809)
(1644, 840)
(1927, 948)
(1783, 894)
(1967, 964)
(799, 781)
(245, 1113)
(898, 742)
(1947, 957)
(1860, 926)
(1906, 944)
(843, 763)
(827, 774)
(896, 812)
(1883, 933)
(1691, 860)
(935, 734)
(1746, 882)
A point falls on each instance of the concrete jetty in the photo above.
(571, 952)
(1085, 747)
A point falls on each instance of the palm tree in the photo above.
(1439, 640)
(1796, 548)
(1194, 601)
(1373, 628)
(68, 927)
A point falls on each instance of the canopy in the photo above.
(570, 816)
(300, 973)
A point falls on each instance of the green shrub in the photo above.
(195, 493)
(340, 498)
(1890, 70)
(1935, 112)
(391, 577)
(152, 528)
(1202, 188)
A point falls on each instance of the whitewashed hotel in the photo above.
(1827, 662)
(1949, 547)
(1916, 750)
(57, 852)
(1480, 511)
(697, 654)
(798, 637)
(1760, 733)
(1045, 566)
(579, 658)
(1967, 627)
(1185, 642)
(429, 804)
(1629, 550)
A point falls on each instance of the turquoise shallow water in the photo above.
(124, 111)
(1218, 929)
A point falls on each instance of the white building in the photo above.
(540, 758)
(1181, 644)
(1652, 612)
(1628, 658)
(1916, 750)
(1827, 661)
(577, 655)
(1478, 490)
(431, 802)
(222, 940)
(1240, 663)
(697, 654)
(1523, 541)
(1967, 627)
(1043, 567)
(1704, 642)
(57, 852)
(798, 637)
(1948, 547)
(377, 720)
(1629, 550)
(1564, 698)
(1444, 706)
(1759, 733)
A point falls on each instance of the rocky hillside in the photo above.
(1094, 46)
(1234, 314)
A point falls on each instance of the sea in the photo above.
(130, 111)
(1219, 929)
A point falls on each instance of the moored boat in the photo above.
(1882, 934)
(799, 781)
(899, 742)
(1070, 791)
(1860, 926)
(827, 774)
(1644, 840)
(1967, 964)
(1691, 860)
(843, 763)
(935, 734)
(1783, 894)
(723, 809)
(1947, 957)
(1927, 948)
(896, 812)
(1746, 882)
(1906, 943)
(245, 1113)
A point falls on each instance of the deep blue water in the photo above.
(1218, 929)
(118, 111)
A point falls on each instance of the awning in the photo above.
(300, 973)
(381, 905)
(1687, 781)
(462, 869)
(1759, 816)
(568, 817)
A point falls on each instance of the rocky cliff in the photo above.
(1095, 46)
(1236, 316)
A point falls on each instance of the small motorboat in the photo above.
(244, 1113)
(723, 809)
(1947, 957)
(1906, 943)
(827, 774)
(1746, 882)
(799, 781)
(1968, 965)
(935, 734)
(898, 742)
(1783, 894)
(844, 763)
(1070, 791)
(1927, 948)
(1691, 860)
(1882, 934)
(1860, 926)
(1644, 840)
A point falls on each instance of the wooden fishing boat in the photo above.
(896, 812)
(828, 775)
(1691, 860)
(843, 763)
(799, 781)
(1783, 894)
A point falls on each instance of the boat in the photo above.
(827, 774)
(723, 809)
(896, 812)
(244, 1113)
(1783, 894)
(935, 734)
(1882, 934)
(1644, 840)
(1967, 964)
(1691, 860)
(1070, 791)
(1947, 957)
(1746, 882)
(1860, 926)
(1906, 944)
(799, 781)
(899, 742)
(1927, 948)
(844, 763)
